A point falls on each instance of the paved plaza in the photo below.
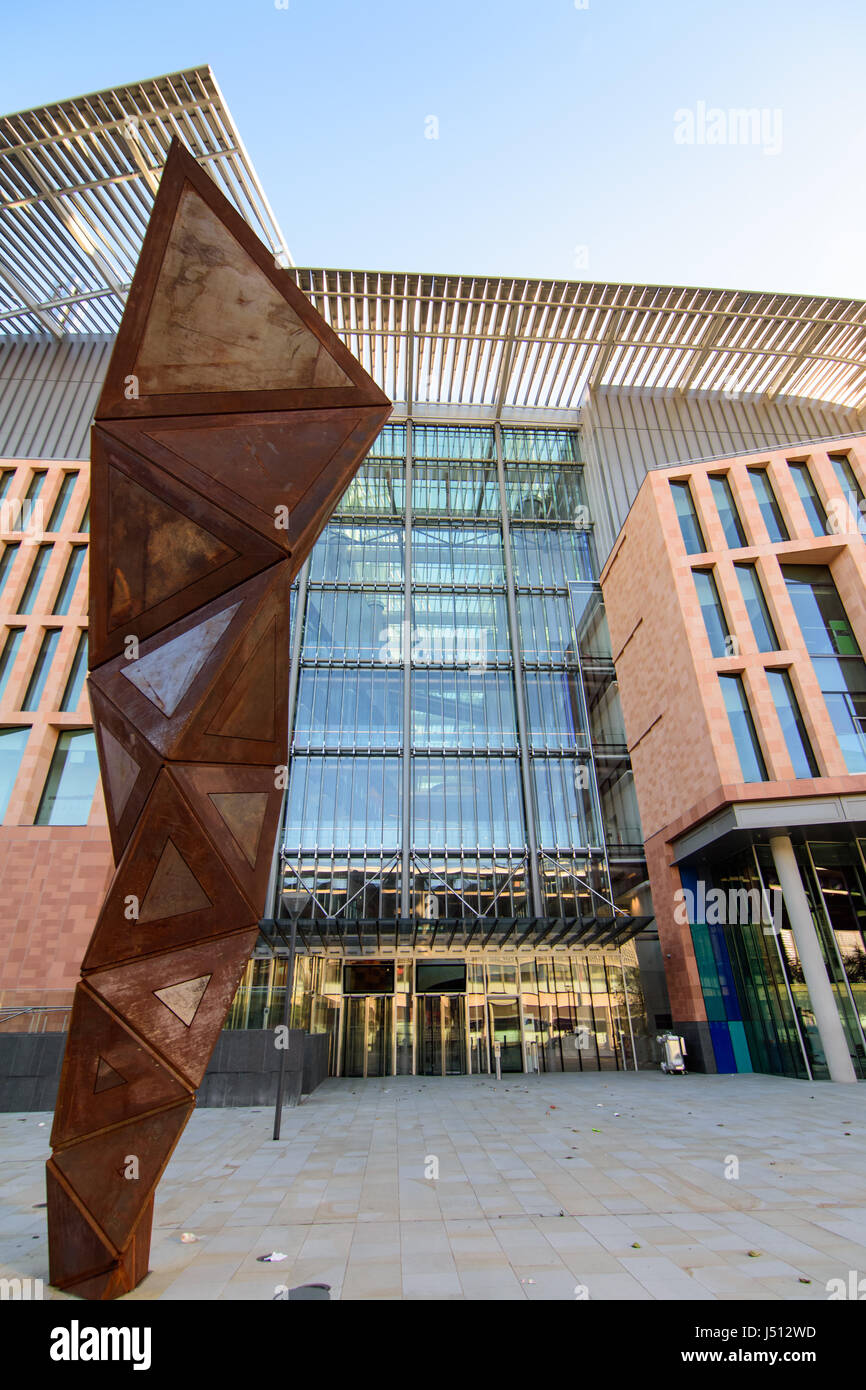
(606, 1186)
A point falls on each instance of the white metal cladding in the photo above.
(48, 393)
(524, 349)
(77, 182)
(625, 433)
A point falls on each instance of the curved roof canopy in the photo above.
(77, 182)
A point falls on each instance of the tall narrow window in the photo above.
(776, 528)
(743, 729)
(756, 606)
(41, 667)
(6, 482)
(36, 482)
(10, 550)
(34, 580)
(727, 509)
(836, 657)
(809, 497)
(69, 580)
(7, 659)
(12, 744)
(71, 781)
(58, 511)
(713, 613)
(688, 518)
(851, 489)
(75, 683)
(84, 527)
(791, 720)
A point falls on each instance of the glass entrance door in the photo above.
(441, 1041)
(367, 1035)
(505, 1029)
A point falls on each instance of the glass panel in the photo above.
(567, 814)
(466, 629)
(554, 446)
(474, 803)
(727, 509)
(688, 518)
(36, 484)
(58, 511)
(851, 489)
(457, 556)
(776, 528)
(70, 579)
(545, 628)
(85, 520)
(12, 745)
(809, 497)
(791, 720)
(759, 614)
(545, 557)
(41, 667)
(344, 625)
(712, 611)
(352, 709)
(554, 711)
(743, 729)
(545, 492)
(358, 554)
(71, 782)
(836, 658)
(37, 573)
(463, 709)
(10, 652)
(10, 550)
(77, 674)
(344, 801)
(6, 477)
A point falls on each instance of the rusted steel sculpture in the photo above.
(231, 420)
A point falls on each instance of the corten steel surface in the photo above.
(231, 421)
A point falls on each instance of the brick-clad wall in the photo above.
(54, 879)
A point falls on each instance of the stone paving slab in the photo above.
(604, 1186)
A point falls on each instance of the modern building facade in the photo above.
(522, 703)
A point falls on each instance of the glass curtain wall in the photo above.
(455, 584)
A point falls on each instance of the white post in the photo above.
(811, 956)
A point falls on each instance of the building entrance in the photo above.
(367, 1036)
(505, 1030)
(441, 1036)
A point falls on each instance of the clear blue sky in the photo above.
(556, 127)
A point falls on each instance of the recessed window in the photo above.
(71, 781)
(6, 482)
(851, 489)
(84, 526)
(769, 507)
(75, 683)
(712, 611)
(688, 518)
(743, 729)
(812, 504)
(41, 667)
(727, 509)
(35, 487)
(791, 720)
(12, 745)
(838, 664)
(7, 659)
(64, 496)
(7, 560)
(756, 606)
(34, 579)
(69, 580)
